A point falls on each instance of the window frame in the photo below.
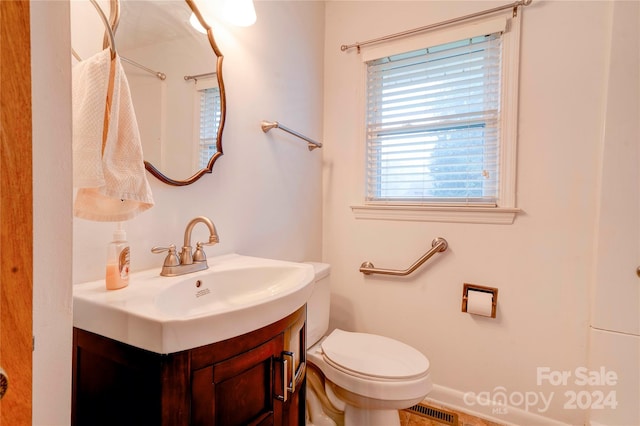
(505, 210)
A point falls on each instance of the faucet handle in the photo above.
(172, 258)
(199, 255)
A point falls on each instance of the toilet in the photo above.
(357, 378)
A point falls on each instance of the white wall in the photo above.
(52, 315)
(541, 263)
(264, 193)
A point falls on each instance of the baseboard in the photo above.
(505, 415)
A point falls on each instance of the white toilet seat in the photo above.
(372, 356)
(372, 366)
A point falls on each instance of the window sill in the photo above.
(458, 214)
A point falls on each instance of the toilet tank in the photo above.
(318, 304)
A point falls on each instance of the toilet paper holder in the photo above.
(480, 288)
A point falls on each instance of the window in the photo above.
(440, 121)
(208, 103)
(432, 123)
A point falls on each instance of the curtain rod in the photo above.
(159, 74)
(196, 77)
(513, 5)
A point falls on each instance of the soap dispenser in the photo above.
(117, 275)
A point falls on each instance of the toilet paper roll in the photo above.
(479, 302)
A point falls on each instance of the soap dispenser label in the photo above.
(123, 263)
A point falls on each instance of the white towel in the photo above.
(112, 185)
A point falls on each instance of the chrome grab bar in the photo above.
(439, 244)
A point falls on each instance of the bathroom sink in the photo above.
(236, 295)
(227, 289)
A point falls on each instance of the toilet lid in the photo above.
(373, 355)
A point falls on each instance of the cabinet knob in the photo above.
(4, 382)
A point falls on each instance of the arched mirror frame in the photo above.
(114, 19)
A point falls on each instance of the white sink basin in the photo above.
(236, 295)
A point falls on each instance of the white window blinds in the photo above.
(433, 120)
(209, 122)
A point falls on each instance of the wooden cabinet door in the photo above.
(240, 390)
(114, 383)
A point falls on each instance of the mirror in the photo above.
(181, 117)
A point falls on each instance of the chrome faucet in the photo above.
(187, 262)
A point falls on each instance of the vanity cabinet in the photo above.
(254, 379)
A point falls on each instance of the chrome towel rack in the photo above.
(439, 244)
(268, 125)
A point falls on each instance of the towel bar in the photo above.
(268, 125)
(437, 245)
